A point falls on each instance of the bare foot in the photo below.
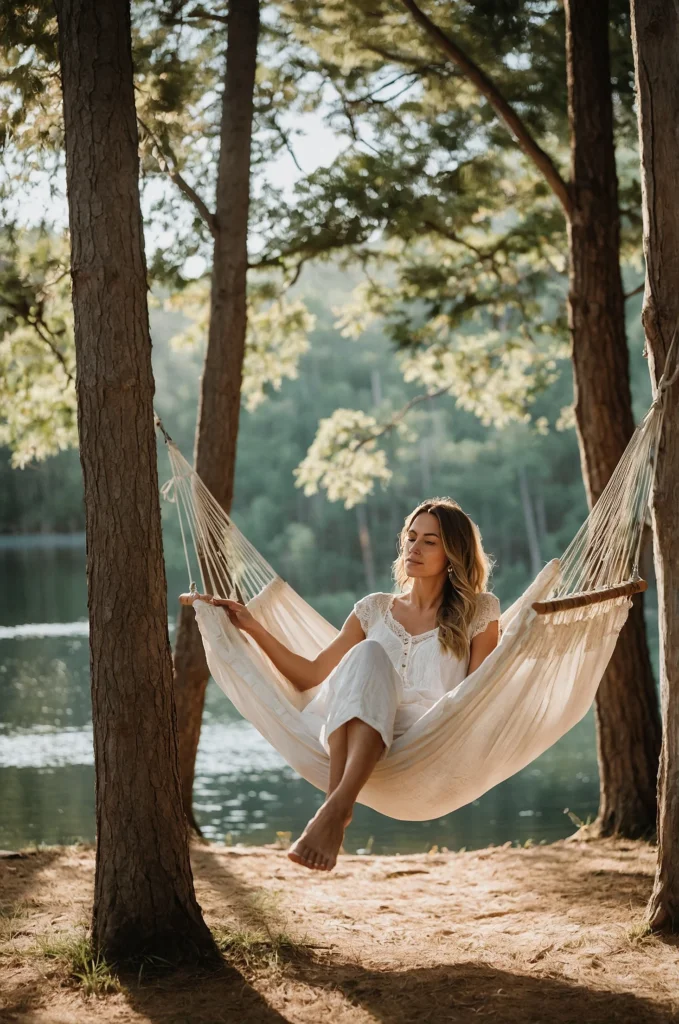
(319, 843)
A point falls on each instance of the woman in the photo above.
(395, 656)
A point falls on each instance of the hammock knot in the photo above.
(159, 426)
(664, 384)
(167, 491)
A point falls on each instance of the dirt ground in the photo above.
(549, 934)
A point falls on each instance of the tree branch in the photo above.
(181, 183)
(452, 236)
(385, 85)
(43, 332)
(306, 250)
(197, 14)
(397, 57)
(23, 309)
(285, 139)
(398, 416)
(502, 108)
(372, 97)
(635, 291)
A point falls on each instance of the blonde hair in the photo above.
(469, 567)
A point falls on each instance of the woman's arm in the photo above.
(303, 673)
(482, 644)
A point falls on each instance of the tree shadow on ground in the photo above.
(203, 996)
(454, 994)
(465, 991)
(210, 996)
(249, 904)
(315, 984)
(558, 875)
(188, 996)
(451, 993)
(17, 876)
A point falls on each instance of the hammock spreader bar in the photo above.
(590, 597)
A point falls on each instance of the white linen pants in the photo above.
(363, 685)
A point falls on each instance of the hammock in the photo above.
(541, 679)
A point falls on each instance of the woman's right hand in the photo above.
(239, 615)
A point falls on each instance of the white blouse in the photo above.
(419, 659)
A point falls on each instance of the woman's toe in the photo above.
(298, 853)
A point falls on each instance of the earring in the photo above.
(450, 573)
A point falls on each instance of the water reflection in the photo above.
(244, 791)
(44, 581)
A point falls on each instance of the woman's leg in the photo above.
(337, 744)
(362, 700)
(319, 844)
(364, 749)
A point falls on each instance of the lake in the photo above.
(244, 791)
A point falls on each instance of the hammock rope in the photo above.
(603, 555)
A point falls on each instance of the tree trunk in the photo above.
(365, 542)
(540, 519)
(217, 429)
(655, 39)
(627, 719)
(144, 900)
(532, 538)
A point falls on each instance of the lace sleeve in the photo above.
(488, 611)
(363, 610)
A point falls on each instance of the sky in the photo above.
(316, 145)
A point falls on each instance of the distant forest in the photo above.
(524, 489)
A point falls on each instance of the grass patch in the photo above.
(90, 972)
(255, 948)
(12, 920)
(577, 820)
(638, 932)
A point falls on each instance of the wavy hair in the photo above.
(470, 565)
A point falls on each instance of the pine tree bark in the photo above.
(144, 900)
(626, 708)
(655, 40)
(219, 410)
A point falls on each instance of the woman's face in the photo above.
(423, 552)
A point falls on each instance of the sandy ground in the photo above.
(550, 934)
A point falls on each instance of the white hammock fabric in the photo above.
(536, 685)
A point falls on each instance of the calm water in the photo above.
(243, 789)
